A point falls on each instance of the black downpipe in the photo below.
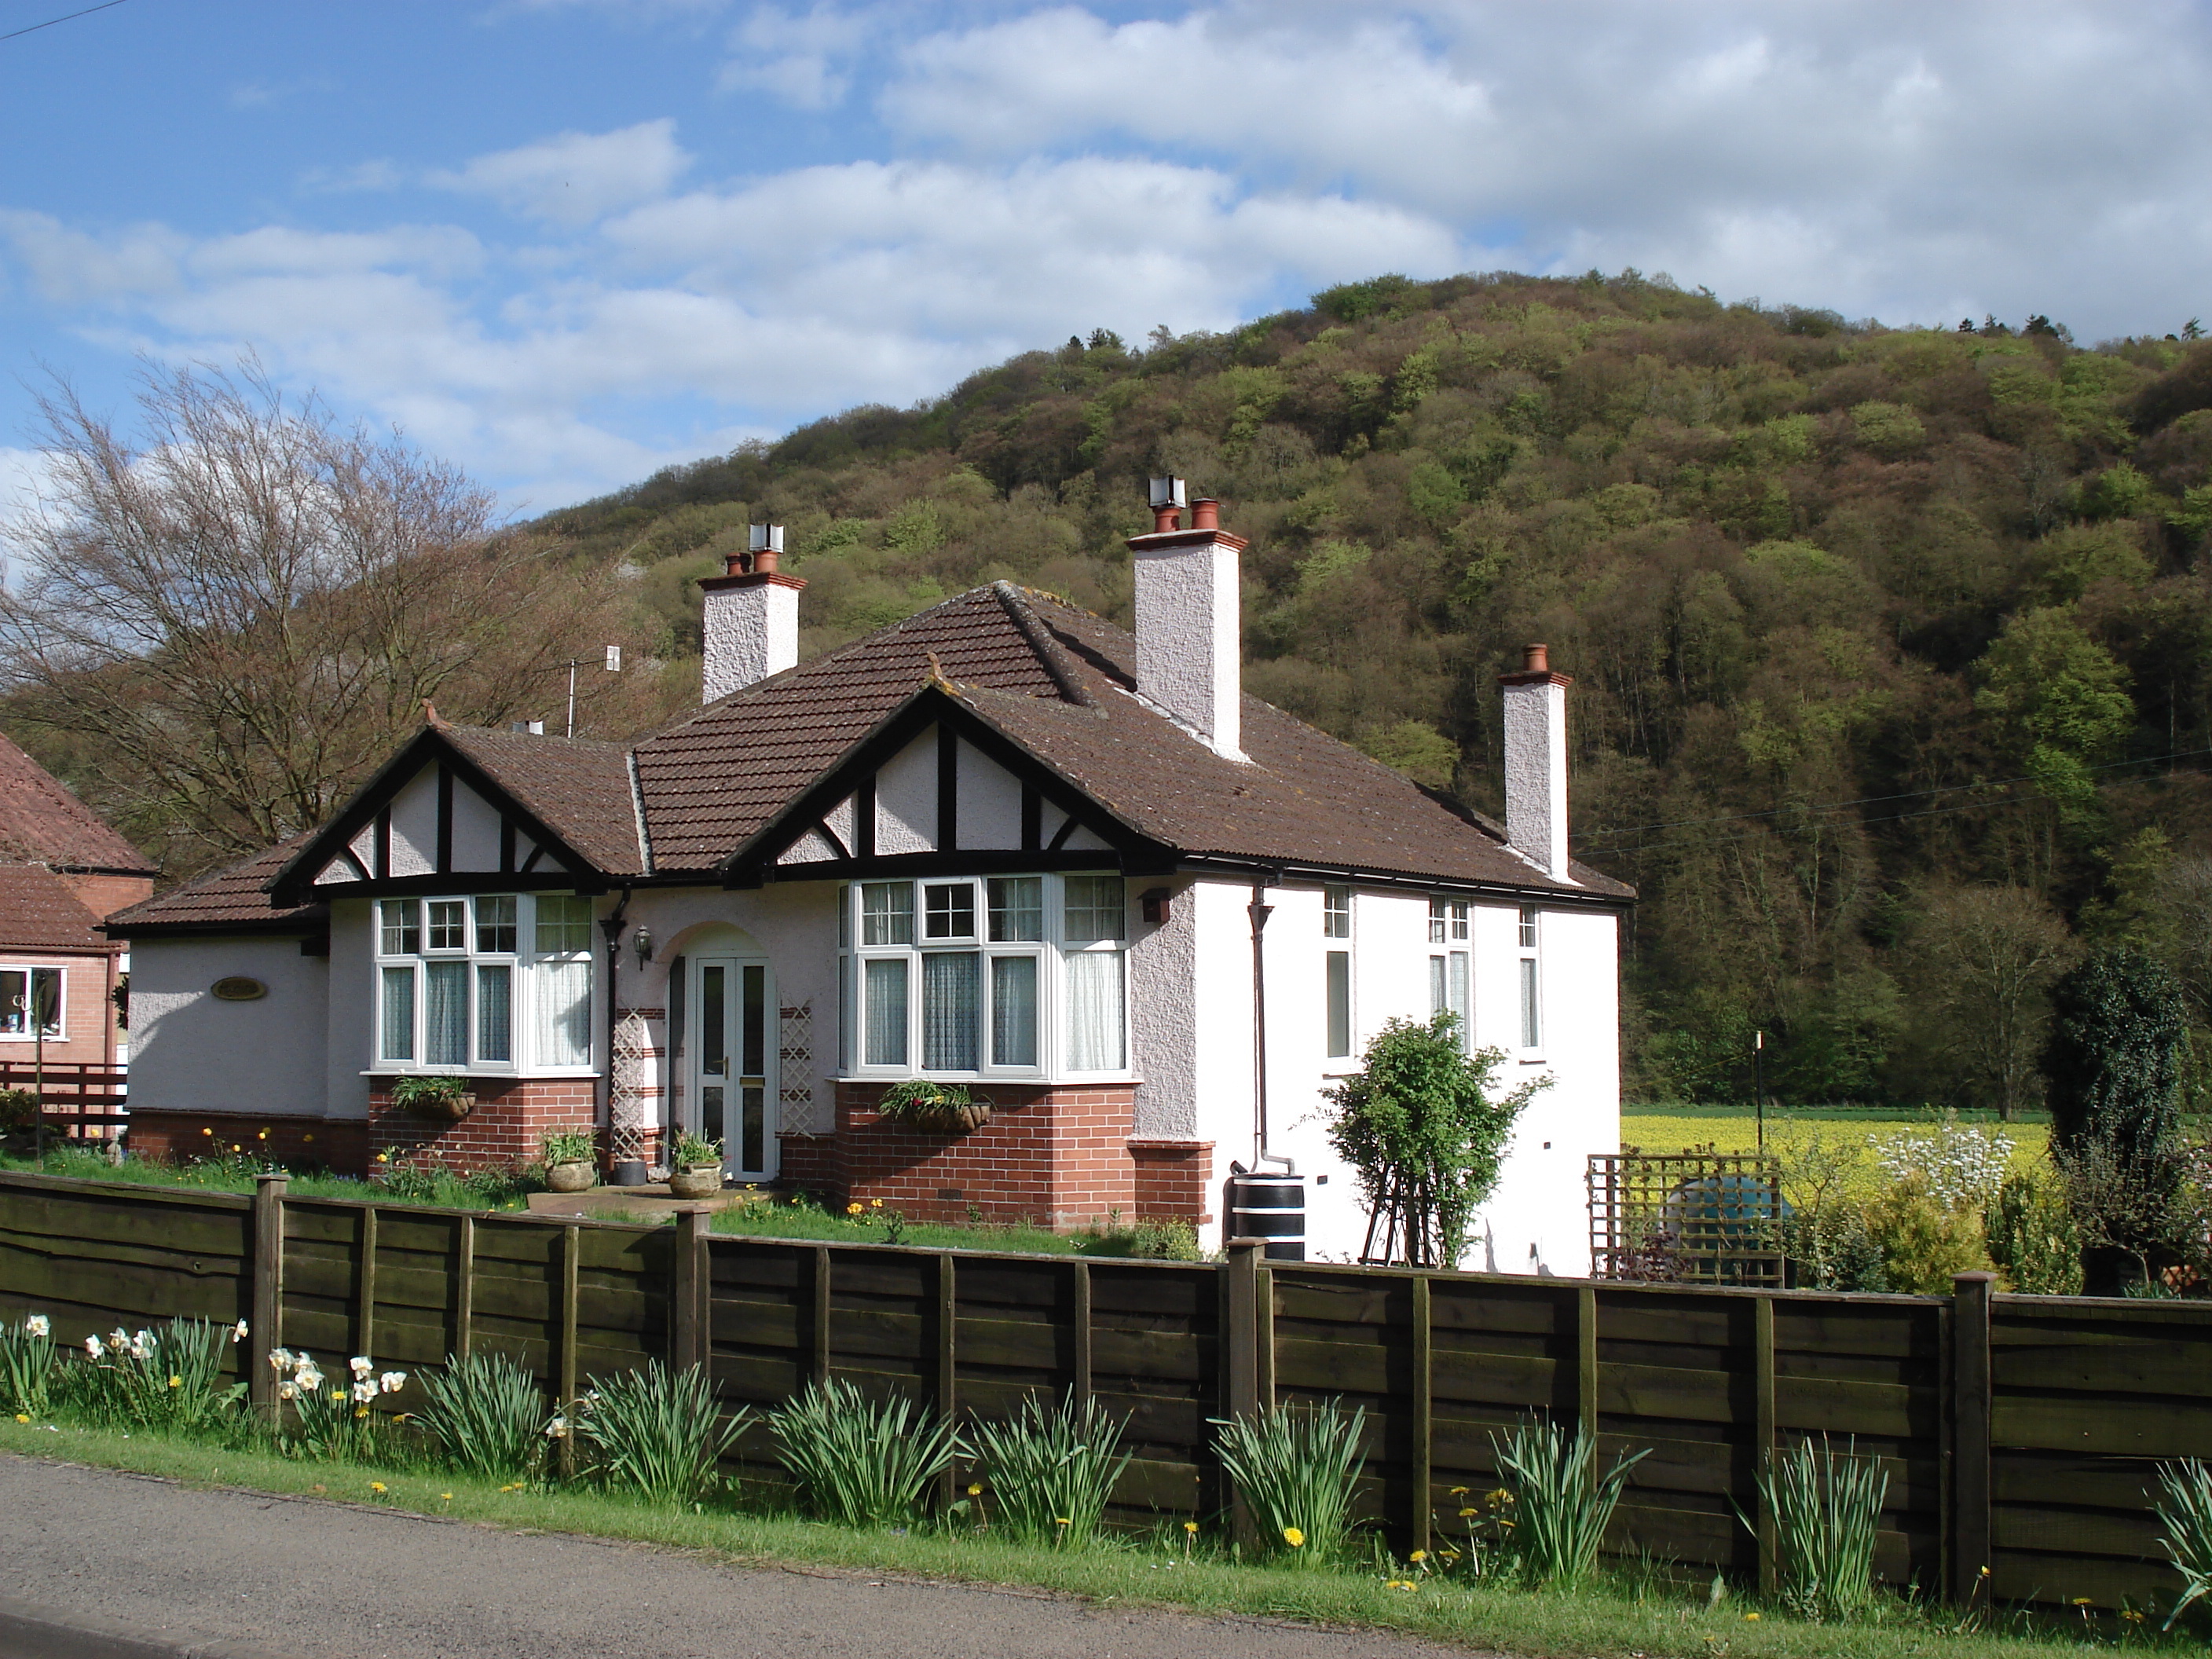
(1260, 910)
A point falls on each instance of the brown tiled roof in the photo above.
(42, 823)
(578, 788)
(38, 912)
(234, 896)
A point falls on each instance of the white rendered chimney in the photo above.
(1190, 618)
(752, 617)
(1536, 761)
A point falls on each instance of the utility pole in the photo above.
(612, 664)
(45, 990)
(1759, 1083)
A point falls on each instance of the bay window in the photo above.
(452, 974)
(964, 976)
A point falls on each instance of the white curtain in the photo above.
(446, 1013)
(560, 1013)
(883, 1017)
(1013, 1010)
(495, 1015)
(1095, 1036)
(1461, 1003)
(952, 1010)
(398, 1041)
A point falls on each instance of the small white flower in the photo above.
(36, 1325)
(119, 1338)
(139, 1349)
(557, 1428)
(363, 1392)
(392, 1381)
(280, 1359)
(361, 1364)
(288, 1391)
(92, 1347)
(309, 1379)
(238, 1332)
(143, 1340)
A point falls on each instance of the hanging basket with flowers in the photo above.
(938, 1109)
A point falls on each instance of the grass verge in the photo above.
(1617, 1618)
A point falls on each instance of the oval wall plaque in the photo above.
(239, 988)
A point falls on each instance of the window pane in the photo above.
(564, 925)
(47, 998)
(715, 1021)
(1336, 913)
(495, 1015)
(1461, 1003)
(1435, 922)
(886, 913)
(1439, 998)
(398, 1043)
(1340, 1003)
(752, 1026)
(844, 1013)
(952, 1010)
(752, 1127)
(948, 910)
(1013, 1010)
(1528, 926)
(1094, 1013)
(1017, 909)
(496, 925)
(1458, 919)
(402, 933)
(15, 1002)
(446, 1013)
(449, 928)
(844, 918)
(884, 1013)
(1094, 908)
(1531, 1028)
(562, 1013)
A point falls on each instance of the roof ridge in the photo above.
(1033, 630)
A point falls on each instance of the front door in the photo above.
(734, 1080)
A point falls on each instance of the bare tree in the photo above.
(2183, 902)
(1984, 961)
(230, 623)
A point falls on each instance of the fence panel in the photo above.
(92, 1256)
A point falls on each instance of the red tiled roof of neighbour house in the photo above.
(42, 914)
(234, 896)
(713, 780)
(579, 788)
(42, 823)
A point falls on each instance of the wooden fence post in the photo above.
(690, 1343)
(267, 1325)
(818, 1333)
(1586, 1364)
(365, 1306)
(1240, 1342)
(1971, 1400)
(948, 1373)
(1424, 1382)
(1763, 1432)
(571, 1384)
(1079, 1389)
(465, 1287)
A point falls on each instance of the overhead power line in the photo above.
(105, 5)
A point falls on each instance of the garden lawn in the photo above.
(1616, 1620)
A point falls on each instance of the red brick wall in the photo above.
(105, 895)
(1175, 1179)
(511, 1116)
(338, 1145)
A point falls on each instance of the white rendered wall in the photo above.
(990, 803)
(415, 825)
(750, 633)
(190, 1052)
(1189, 635)
(1536, 774)
(1163, 1014)
(476, 830)
(906, 798)
(351, 976)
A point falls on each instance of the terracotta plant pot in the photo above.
(700, 1181)
(571, 1177)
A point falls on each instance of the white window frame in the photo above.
(1529, 1011)
(1050, 952)
(59, 1031)
(522, 962)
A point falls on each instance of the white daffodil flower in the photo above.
(92, 1347)
(36, 1325)
(361, 1365)
(288, 1391)
(392, 1381)
(238, 1332)
(280, 1359)
(363, 1392)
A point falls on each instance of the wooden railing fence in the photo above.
(2021, 1434)
(75, 1096)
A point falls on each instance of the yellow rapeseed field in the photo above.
(1854, 1138)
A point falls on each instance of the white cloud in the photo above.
(802, 59)
(577, 177)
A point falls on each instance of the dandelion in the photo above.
(264, 1135)
(22, 1417)
(36, 1325)
(176, 1382)
(206, 1131)
(1459, 1492)
(2131, 1615)
(876, 1203)
(360, 1411)
(1418, 1555)
(382, 1158)
(1464, 1514)
(378, 1486)
(976, 1491)
(444, 1497)
(1751, 1618)
(1294, 1537)
(236, 1147)
(2083, 1602)
(1190, 1526)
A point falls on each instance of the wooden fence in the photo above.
(2021, 1434)
(75, 1096)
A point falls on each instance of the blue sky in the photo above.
(563, 242)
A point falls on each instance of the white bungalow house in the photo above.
(1002, 843)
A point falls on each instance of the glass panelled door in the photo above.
(735, 1084)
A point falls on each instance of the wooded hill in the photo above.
(1891, 645)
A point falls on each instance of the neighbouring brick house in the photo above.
(62, 871)
(1002, 843)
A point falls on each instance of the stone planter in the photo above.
(700, 1181)
(571, 1177)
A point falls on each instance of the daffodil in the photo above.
(1294, 1537)
(976, 1491)
(36, 1325)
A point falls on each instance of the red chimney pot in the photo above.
(1165, 518)
(1536, 660)
(1206, 514)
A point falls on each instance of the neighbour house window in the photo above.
(1336, 923)
(23, 989)
(452, 972)
(969, 993)
(1450, 972)
(1532, 1012)
(1336, 912)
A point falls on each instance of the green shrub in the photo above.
(1168, 1240)
(1051, 1470)
(1832, 1249)
(19, 1110)
(1294, 1467)
(1923, 1243)
(2033, 1238)
(486, 1417)
(861, 1463)
(660, 1432)
(26, 1366)
(1827, 1512)
(2113, 1069)
(1557, 1508)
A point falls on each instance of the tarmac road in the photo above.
(140, 1566)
